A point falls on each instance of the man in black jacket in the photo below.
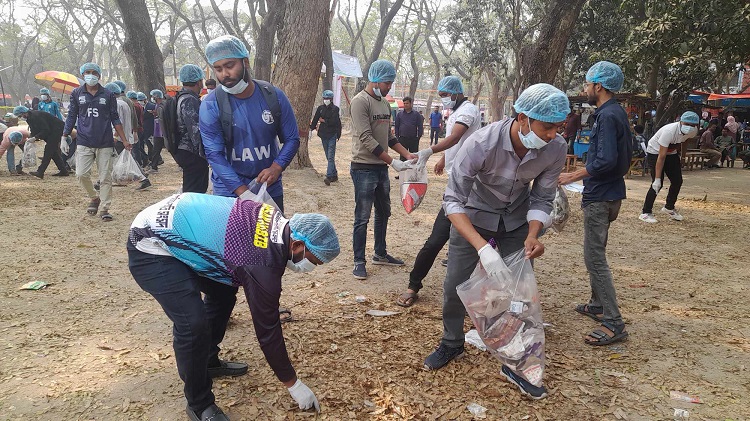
(45, 126)
(329, 131)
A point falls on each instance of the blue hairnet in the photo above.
(91, 66)
(20, 110)
(191, 73)
(15, 137)
(608, 74)
(121, 84)
(451, 84)
(140, 96)
(44, 91)
(543, 102)
(113, 87)
(381, 71)
(224, 47)
(131, 95)
(689, 117)
(317, 233)
(157, 93)
(327, 94)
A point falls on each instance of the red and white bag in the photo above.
(413, 187)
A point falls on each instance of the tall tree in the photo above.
(302, 37)
(387, 13)
(143, 54)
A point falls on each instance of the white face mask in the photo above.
(240, 86)
(303, 266)
(688, 131)
(377, 93)
(91, 80)
(531, 140)
(327, 101)
(448, 102)
(45, 97)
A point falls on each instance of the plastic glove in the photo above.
(304, 397)
(656, 185)
(31, 139)
(399, 165)
(491, 260)
(423, 156)
(64, 147)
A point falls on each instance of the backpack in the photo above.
(168, 122)
(226, 119)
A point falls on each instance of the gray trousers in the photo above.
(462, 260)
(596, 219)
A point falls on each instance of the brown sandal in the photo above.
(407, 299)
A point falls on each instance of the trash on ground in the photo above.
(477, 410)
(34, 285)
(684, 397)
(681, 414)
(381, 313)
(360, 299)
(473, 338)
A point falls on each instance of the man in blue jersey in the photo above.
(192, 243)
(251, 150)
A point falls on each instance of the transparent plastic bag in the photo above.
(560, 210)
(126, 170)
(29, 155)
(505, 310)
(260, 193)
(413, 187)
(72, 160)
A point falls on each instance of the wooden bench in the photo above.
(694, 158)
(570, 162)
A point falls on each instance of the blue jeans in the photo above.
(371, 187)
(329, 147)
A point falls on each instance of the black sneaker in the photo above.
(61, 174)
(327, 181)
(387, 260)
(359, 272)
(524, 386)
(442, 355)
(145, 185)
(36, 174)
(334, 179)
(227, 368)
(212, 413)
(96, 186)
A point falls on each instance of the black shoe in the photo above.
(61, 174)
(360, 271)
(96, 186)
(333, 179)
(387, 260)
(227, 368)
(442, 355)
(444, 262)
(212, 413)
(524, 386)
(36, 174)
(327, 181)
(145, 185)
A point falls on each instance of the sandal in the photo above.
(407, 299)
(283, 312)
(93, 206)
(607, 334)
(106, 216)
(590, 311)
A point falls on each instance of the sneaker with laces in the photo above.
(524, 386)
(359, 272)
(386, 260)
(145, 185)
(442, 355)
(673, 214)
(648, 217)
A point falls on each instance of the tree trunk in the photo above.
(328, 61)
(385, 23)
(498, 94)
(541, 62)
(266, 38)
(140, 47)
(302, 37)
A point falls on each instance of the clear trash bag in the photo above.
(260, 194)
(560, 210)
(505, 310)
(29, 155)
(126, 170)
(413, 187)
(72, 160)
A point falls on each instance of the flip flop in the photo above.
(407, 299)
(286, 311)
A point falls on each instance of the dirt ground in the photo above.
(94, 346)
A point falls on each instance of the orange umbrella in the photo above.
(58, 81)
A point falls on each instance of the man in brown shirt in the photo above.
(708, 147)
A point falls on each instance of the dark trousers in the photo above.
(434, 135)
(673, 171)
(155, 153)
(51, 153)
(597, 217)
(411, 143)
(371, 187)
(198, 324)
(194, 171)
(441, 231)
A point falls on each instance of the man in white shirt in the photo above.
(123, 110)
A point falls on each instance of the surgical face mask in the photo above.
(91, 80)
(688, 131)
(327, 101)
(240, 86)
(376, 91)
(448, 102)
(208, 90)
(531, 140)
(45, 97)
(302, 266)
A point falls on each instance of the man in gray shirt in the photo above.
(488, 197)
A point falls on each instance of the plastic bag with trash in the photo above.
(72, 160)
(505, 310)
(29, 155)
(560, 210)
(259, 194)
(126, 170)
(413, 187)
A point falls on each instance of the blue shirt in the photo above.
(608, 158)
(95, 114)
(50, 107)
(435, 119)
(255, 144)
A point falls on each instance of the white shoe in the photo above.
(648, 217)
(673, 214)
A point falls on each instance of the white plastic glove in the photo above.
(423, 156)
(656, 185)
(399, 165)
(64, 147)
(304, 397)
(491, 260)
